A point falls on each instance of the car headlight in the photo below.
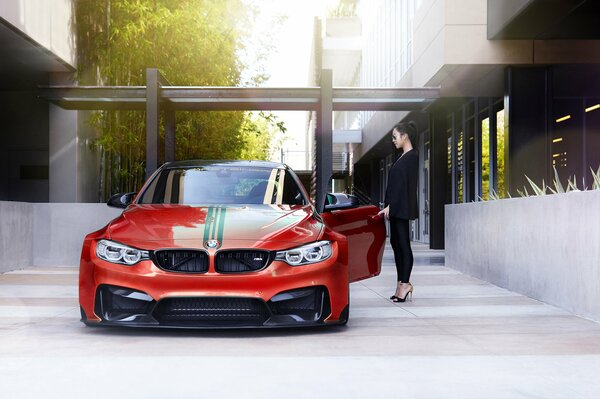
(306, 254)
(118, 253)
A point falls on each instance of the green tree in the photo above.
(193, 43)
(485, 156)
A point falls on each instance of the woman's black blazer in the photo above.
(401, 191)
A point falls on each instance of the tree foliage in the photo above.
(192, 42)
(485, 156)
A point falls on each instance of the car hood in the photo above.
(183, 226)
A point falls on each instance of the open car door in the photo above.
(365, 232)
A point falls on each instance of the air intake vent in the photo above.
(211, 311)
(242, 261)
(181, 260)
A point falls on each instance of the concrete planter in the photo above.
(547, 247)
(16, 230)
(47, 234)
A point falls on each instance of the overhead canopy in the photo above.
(159, 96)
(190, 98)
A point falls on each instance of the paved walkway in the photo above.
(459, 338)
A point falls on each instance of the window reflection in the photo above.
(485, 158)
(501, 134)
(223, 185)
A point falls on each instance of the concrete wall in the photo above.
(547, 248)
(88, 161)
(59, 229)
(47, 234)
(16, 235)
(48, 22)
(73, 162)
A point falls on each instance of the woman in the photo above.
(401, 205)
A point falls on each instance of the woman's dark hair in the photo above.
(409, 128)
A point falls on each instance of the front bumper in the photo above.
(144, 295)
(119, 306)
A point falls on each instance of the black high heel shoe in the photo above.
(397, 290)
(398, 299)
(395, 298)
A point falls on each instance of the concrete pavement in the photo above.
(459, 338)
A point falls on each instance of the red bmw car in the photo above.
(227, 244)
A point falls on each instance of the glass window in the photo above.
(567, 145)
(501, 133)
(449, 199)
(592, 138)
(459, 165)
(485, 158)
(470, 158)
(223, 185)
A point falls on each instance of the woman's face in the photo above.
(398, 138)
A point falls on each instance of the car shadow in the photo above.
(243, 332)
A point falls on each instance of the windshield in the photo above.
(223, 185)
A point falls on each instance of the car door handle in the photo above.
(375, 218)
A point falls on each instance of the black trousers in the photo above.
(400, 240)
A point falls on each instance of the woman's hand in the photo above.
(385, 212)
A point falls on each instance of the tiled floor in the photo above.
(459, 338)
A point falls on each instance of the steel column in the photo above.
(324, 140)
(477, 152)
(169, 136)
(466, 157)
(454, 159)
(152, 112)
(493, 147)
(438, 171)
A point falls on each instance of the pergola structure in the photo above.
(159, 96)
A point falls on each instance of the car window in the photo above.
(223, 185)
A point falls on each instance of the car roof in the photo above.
(199, 162)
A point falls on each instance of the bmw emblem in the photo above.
(212, 244)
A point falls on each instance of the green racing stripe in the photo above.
(213, 229)
(207, 224)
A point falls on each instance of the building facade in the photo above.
(520, 96)
(519, 83)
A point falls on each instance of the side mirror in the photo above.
(121, 200)
(336, 201)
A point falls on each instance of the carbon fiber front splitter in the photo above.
(304, 307)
